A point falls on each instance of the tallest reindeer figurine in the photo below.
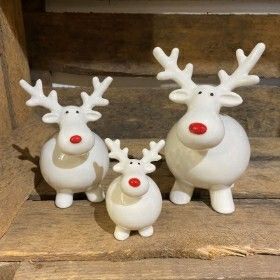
(204, 148)
(75, 159)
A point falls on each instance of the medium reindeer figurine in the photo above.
(204, 148)
(133, 199)
(75, 159)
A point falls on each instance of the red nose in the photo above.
(134, 182)
(197, 128)
(75, 139)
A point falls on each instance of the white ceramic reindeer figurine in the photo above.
(133, 199)
(75, 159)
(204, 148)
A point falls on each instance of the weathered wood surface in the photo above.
(123, 43)
(7, 270)
(43, 232)
(20, 174)
(147, 112)
(18, 177)
(13, 66)
(252, 267)
(261, 180)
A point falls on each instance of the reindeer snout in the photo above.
(134, 182)
(197, 128)
(75, 139)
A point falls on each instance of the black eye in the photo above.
(66, 112)
(212, 94)
(131, 162)
(138, 163)
(199, 92)
(77, 112)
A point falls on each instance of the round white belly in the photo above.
(74, 173)
(133, 213)
(218, 166)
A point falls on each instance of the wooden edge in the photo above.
(42, 232)
(14, 62)
(252, 267)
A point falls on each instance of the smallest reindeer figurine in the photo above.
(133, 199)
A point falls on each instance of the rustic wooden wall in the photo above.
(144, 112)
(122, 43)
(13, 66)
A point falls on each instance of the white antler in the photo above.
(152, 154)
(39, 99)
(117, 153)
(96, 99)
(241, 77)
(172, 72)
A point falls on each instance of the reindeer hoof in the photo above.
(63, 200)
(179, 197)
(96, 196)
(147, 231)
(121, 233)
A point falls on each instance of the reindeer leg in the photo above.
(221, 199)
(147, 231)
(121, 233)
(181, 192)
(63, 200)
(96, 194)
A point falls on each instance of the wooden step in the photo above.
(261, 180)
(43, 232)
(252, 267)
(147, 112)
(123, 43)
(20, 175)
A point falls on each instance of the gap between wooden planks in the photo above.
(42, 232)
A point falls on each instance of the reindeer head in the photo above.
(201, 127)
(134, 181)
(74, 137)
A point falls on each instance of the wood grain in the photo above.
(14, 66)
(123, 43)
(147, 112)
(7, 270)
(252, 267)
(84, 232)
(20, 175)
(261, 180)
(18, 172)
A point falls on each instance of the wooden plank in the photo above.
(7, 270)
(252, 267)
(165, 6)
(42, 232)
(125, 44)
(147, 112)
(14, 65)
(261, 180)
(18, 169)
